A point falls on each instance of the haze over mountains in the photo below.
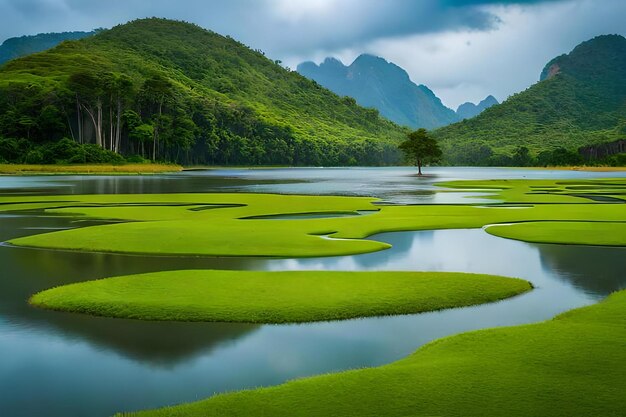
(383, 85)
(469, 110)
(29, 44)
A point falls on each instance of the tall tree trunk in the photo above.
(69, 123)
(419, 167)
(99, 132)
(79, 120)
(156, 130)
(118, 125)
(111, 122)
(95, 124)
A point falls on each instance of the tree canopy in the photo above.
(421, 149)
(172, 91)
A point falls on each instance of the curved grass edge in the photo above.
(276, 297)
(598, 233)
(545, 368)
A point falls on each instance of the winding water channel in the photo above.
(58, 364)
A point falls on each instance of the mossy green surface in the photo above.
(276, 297)
(573, 365)
(221, 224)
(580, 233)
(546, 191)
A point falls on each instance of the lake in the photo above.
(77, 365)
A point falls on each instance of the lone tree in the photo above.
(421, 148)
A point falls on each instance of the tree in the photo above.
(421, 148)
(522, 158)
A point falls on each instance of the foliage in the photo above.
(421, 148)
(204, 98)
(65, 151)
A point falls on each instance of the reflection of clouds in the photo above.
(274, 353)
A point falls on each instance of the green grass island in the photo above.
(276, 297)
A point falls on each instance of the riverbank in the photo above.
(584, 168)
(92, 169)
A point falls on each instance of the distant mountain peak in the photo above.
(375, 82)
(469, 110)
(25, 45)
(587, 57)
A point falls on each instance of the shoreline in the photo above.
(89, 169)
(582, 168)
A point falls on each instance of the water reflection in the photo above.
(392, 184)
(161, 363)
(577, 264)
(83, 366)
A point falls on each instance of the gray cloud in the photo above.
(462, 49)
(278, 26)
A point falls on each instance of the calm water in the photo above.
(57, 364)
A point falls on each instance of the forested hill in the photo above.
(24, 45)
(580, 100)
(376, 83)
(173, 91)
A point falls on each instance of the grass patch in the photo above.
(578, 233)
(544, 191)
(193, 224)
(276, 297)
(129, 169)
(573, 365)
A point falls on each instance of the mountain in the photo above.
(580, 100)
(25, 45)
(382, 85)
(469, 110)
(173, 91)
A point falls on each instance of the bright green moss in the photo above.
(276, 297)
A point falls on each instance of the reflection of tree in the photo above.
(597, 270)
(27, 271)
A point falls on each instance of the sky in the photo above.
(463, 50)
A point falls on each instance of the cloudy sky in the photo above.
(462, 49)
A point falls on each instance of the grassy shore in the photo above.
(587, 233)
(125, 169)
(573, 365)
(276, 297)
(585, 168)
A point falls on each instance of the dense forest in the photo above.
(171, 91)
(580, 101)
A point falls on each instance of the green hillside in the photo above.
(173, 91)
(580, 100)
